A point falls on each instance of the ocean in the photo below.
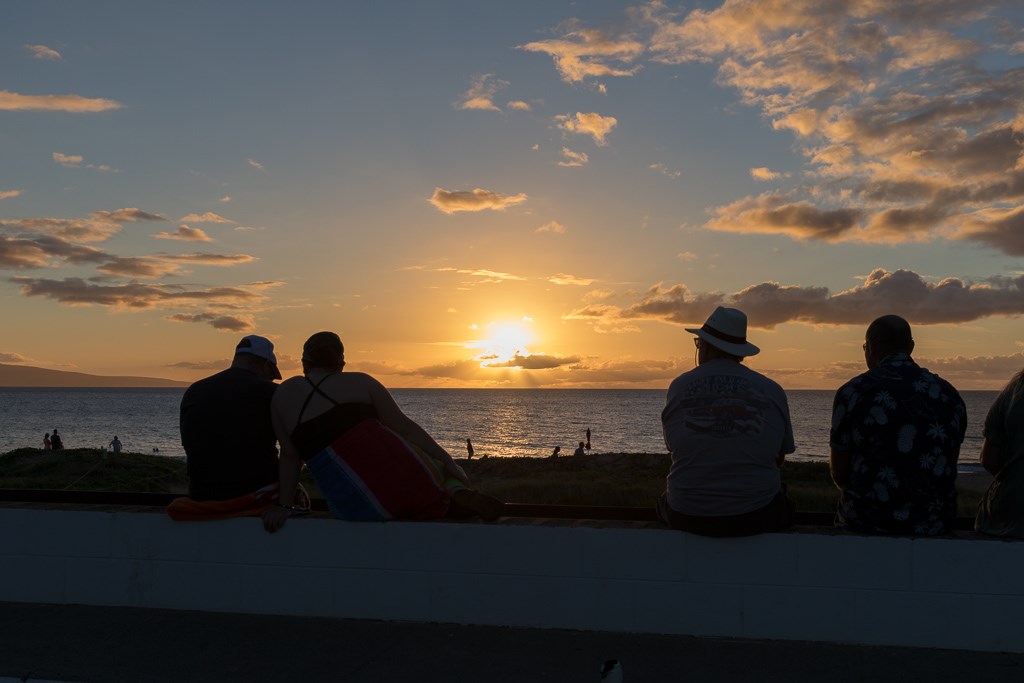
(501, 422)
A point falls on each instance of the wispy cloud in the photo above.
(184, 233)
(255, 164)
(665, 170)
(228, 323)
(552, 226)
(75, 161)
(573, 159)
(453, 201)
(208, 217)
(566, 279)
(12, 101)
(101, 226)
(765, 174)
(75, 291)
(480, 95)
(534, 361)
(12, 357)
(214, 260)
(768, 304)
(225, 199)
(582, 53)
(519, 105)
(8, 194)
(592, 124)
(43, 52)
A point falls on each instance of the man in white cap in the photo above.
(728, 430)
(226, 428)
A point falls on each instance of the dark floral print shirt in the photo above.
(902, 427)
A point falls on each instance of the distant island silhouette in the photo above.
(18, 376)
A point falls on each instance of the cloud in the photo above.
(70, 160)
(43, 52)
(764, 174)
(582, 53)
(687, 256)
(907, 115)
(225, 199)
(101, 226)
(73, 291)
(200, 364)
(208, 217)
(571, 158)
(552, 226)
(8, 194)
(137, 267)
(665, 170)
(480, 95)
(773, 213)
(214, 260)
(592, 124)
(519, 105)
(999, 228)
(768, 304)
(27, 251)
(229, 323)
(255, 164)
(450, 201)
(565, 279)
(75, 161)
(184, 233)
(534, 361)
(12, 357)
(489, 275)
(12, 101)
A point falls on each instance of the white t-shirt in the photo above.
(726, 426)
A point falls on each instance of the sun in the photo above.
(504, 341)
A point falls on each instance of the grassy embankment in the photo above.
(631, 480)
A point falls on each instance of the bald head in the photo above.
(887, 335)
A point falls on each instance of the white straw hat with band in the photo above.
(726, 329)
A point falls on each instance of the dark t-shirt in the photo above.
(228, 435)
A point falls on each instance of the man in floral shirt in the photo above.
(896, 435)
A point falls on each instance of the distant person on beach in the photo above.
(55, 441)
(1001, 512)
(371, 462)
(895, 440)
(554, 453)
(580, 450)
(46, 441)
(588, 438)
(226, 428)
(469, 449)
(728, 431)
(115, 445)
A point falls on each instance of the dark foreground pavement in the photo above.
(114, 645)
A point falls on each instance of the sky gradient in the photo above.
(495, 194)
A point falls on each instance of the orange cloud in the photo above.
(592, 124)
(43, 52)
(12, 101)
(589, 53)
(184, 233)
(476, 200)
(480, 95)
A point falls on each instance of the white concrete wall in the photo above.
(949, 593)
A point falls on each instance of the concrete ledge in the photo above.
(947, 592)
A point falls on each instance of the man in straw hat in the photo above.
(728, 430)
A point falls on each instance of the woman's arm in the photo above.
(289, 466)
(392, 416)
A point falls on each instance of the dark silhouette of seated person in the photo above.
(226, 427)
(580, 450)
(728, 430)
(1001, 512)
(895, 440)
(371, 462)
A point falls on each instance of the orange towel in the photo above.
(250, 505)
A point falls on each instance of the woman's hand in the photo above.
(275, 517)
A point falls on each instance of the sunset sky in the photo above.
(511, 194)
